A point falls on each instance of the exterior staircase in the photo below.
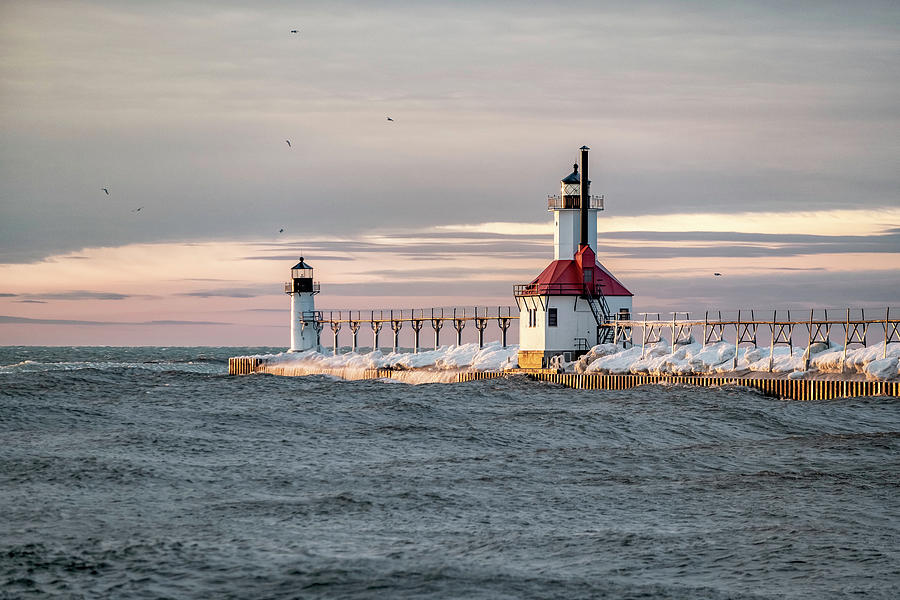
(600, 310)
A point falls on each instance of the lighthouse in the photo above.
(567, 308)
(306, 323)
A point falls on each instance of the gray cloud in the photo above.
(731, 244)
(718, 244)
(436, 287)
(80, 295)
(7, 295)
(797, 290)
(25, 320)
(446, 274)
(891, 237)
(183, 108)
(293, 257)
(240, 292)
(445, 243)
(469, 235)
(172, 322)
(203, 279)
(724, 251)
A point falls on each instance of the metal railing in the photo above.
(556, 289)
(555, 202)
(416, 318)
(289, 288)
(852, 326)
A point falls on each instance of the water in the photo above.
(150, 473)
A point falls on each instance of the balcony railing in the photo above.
(311, 316)
(289, 288)
(558, 202)
(554, 289)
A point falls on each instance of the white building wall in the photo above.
(567, 232)
(573, 317)
(616, 303)
(574, 320)
(302, 338)
(531, 338)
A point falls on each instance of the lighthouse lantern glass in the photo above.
(571, 189)
(301, 273)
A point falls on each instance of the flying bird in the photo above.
(281, 230)
(295, 31)
(389, 119)
(105, 190)
(138, 209)
(717, 274)
(288, 143)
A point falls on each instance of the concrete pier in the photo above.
(824, 387)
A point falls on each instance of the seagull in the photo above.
(295, 31)
(389, 119)
(281, 230)
(105, 190)
(288, 143)
(717, 274)
(138, 209)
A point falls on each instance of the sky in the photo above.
(756, 139)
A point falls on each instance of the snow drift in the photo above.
(875, 362)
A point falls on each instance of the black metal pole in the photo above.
(584, 196)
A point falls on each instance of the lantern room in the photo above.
(301, 270)
(301, 279)
(570, 189)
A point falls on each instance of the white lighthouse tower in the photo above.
(305, 321)
(564, 310)
(566, 209)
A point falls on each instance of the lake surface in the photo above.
(150, 473)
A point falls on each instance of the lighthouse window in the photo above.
(532, 317)
(551, 317)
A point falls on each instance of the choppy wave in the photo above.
(154, 481)
(30, 366)
(24, 359)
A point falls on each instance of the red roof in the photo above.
(564, 278)
(609, 284)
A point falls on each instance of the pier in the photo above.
(483, 318)
(841, 330)
(852, 327)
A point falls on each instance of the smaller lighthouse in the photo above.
(305, 321)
